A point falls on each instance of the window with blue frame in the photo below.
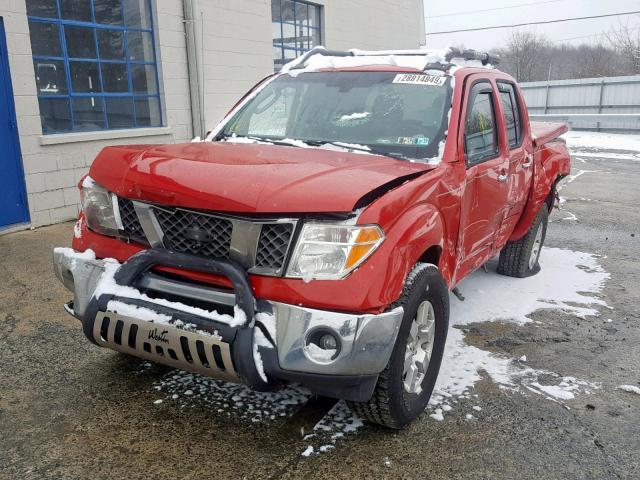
(296, 29)
(95, 64)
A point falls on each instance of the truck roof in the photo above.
(319, 58)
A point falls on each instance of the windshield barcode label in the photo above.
(419, 79)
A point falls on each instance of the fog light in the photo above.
(322, 346)
(328, 342)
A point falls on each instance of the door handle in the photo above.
(502, 177)
(529, 161)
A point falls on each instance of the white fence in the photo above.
(608, 103)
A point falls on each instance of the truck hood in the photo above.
(249, 178)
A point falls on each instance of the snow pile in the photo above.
(568, 281)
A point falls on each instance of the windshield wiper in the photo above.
(346, 146)
(318, 143)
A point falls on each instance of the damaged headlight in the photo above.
(99, 207)
(331, 252)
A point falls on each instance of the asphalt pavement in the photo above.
(70, 410)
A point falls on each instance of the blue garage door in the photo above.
(13, 201)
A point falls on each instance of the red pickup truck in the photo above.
(315, 235)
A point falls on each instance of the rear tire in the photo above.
(405, 385)
(520, 258)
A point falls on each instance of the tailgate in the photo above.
(543, 132)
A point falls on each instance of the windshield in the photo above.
(390, 113)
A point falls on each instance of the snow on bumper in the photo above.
(364, 342)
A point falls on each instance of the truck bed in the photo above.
(543, 132)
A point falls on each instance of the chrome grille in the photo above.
(130, 223)
(273, 245)
(261, 246)
(195, 233)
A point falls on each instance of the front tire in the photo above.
(520, 258)
(405, 385)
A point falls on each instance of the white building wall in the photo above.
(235, 43)
(53, 164)
(237, 47)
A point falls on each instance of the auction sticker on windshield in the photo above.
(419, 79)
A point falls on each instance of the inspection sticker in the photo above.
(420, 79)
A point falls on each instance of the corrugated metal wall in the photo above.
(587, 95)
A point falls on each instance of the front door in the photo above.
(13, 201)
(484, 199)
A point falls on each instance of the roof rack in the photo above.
(453, 53)
(469, 54)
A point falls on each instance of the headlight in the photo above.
(98, 207)
(331, 252)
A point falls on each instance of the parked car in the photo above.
(315, 235)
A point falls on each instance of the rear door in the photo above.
(520, 155)
(484, 199)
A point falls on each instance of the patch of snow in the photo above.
(568, 281)
(630, 388)
(468, 416)
(108, 285)
(604, 141)
(570, 217)
(339, 421)
(308, 451)
(77, 228)
(437, 415)
(523, 358)
(476, 408)
(257, 358)
(141, 313)
(88, 182)
(414, 59)
(320, 354)
(157, 402)
(354, 116)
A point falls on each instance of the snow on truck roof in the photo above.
(445, 59)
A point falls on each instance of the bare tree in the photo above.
(595, 61)
(625, 39)
(525, 56)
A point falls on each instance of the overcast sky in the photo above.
(544, 10)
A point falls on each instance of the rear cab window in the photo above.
(512, 113)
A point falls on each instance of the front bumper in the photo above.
(260, 344)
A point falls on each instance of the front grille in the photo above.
(273, 245)
(210, 235)
(195, 233)
(130, 222)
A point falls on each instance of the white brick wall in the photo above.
(52, 171)
(238, 44)
(237, 52)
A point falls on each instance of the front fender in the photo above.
(407, 239)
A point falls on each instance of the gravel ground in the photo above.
(71, 410)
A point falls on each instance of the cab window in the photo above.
(511, 109)
(481, 132)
